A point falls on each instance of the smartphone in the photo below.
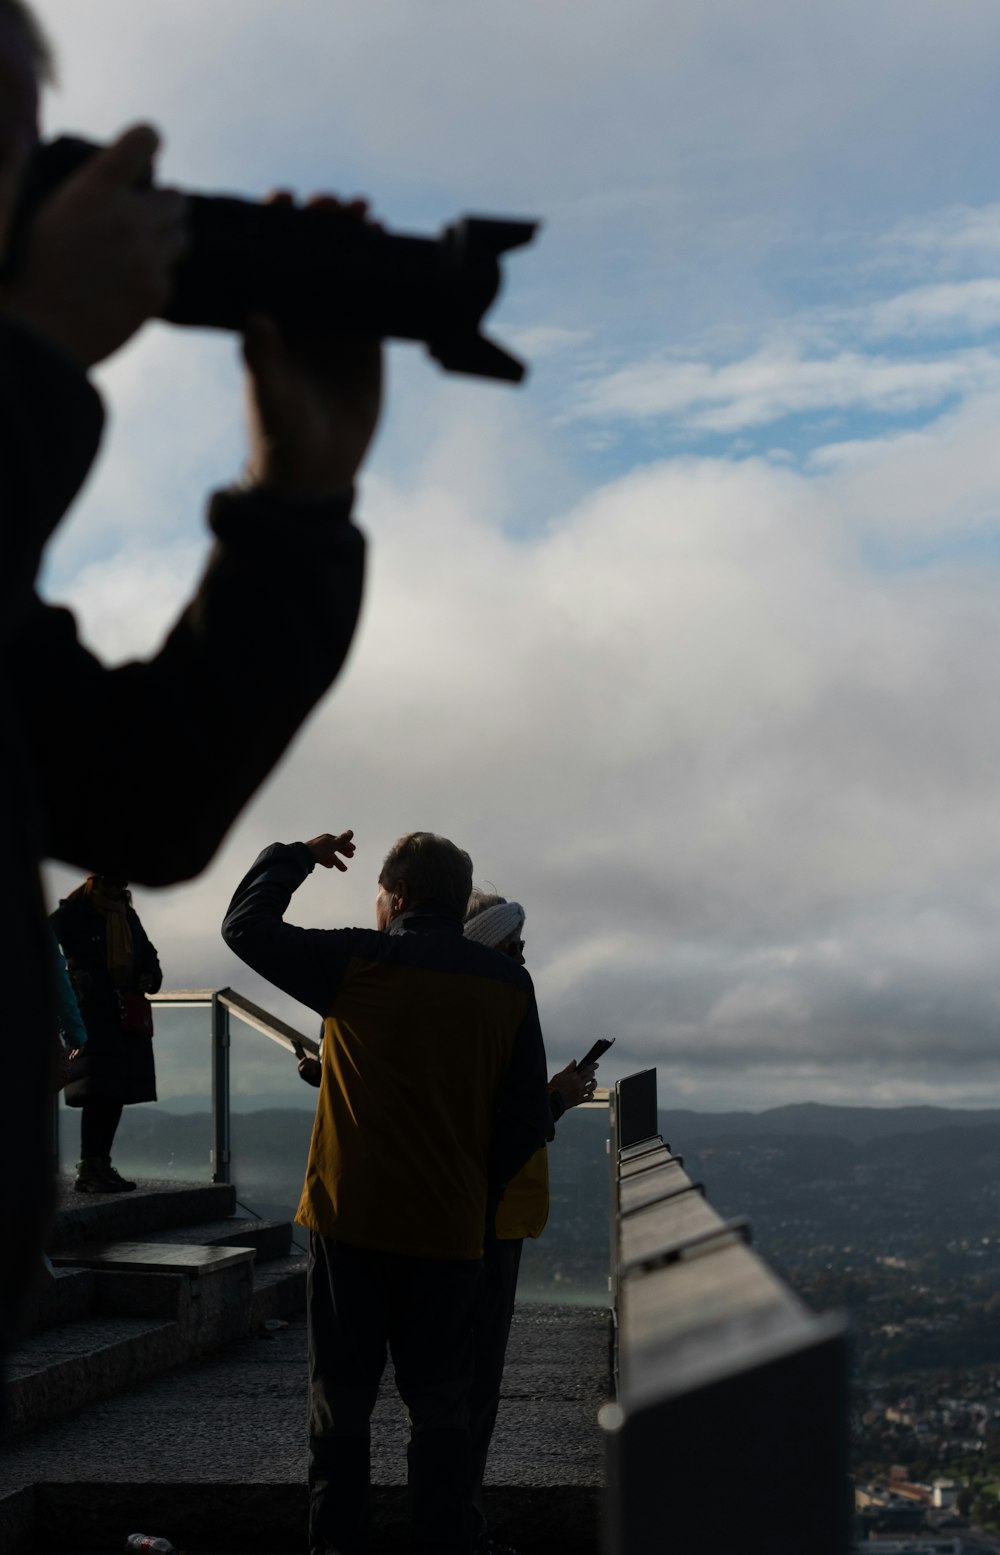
(598, 1050)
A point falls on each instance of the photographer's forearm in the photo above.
(207, 719)
(311, 422)
(52, 420)
(293, 959)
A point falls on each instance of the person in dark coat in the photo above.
(109, 955)
(86, 776)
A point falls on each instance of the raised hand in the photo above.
(325, 849)
(310, 1070)
(314, 402)
(575, 1085)
(100, 251)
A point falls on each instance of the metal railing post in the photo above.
(636, 1108)
(220, 1091)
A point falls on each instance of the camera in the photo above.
(304, 268)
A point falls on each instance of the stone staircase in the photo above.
(212, 1455)
(157, 1393)
(144, 1282)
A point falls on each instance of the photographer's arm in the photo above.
(179, 744)
(314, 401)
(263, 639)
(50, 427)
(306, 963)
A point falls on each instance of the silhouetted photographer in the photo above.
(123, 765)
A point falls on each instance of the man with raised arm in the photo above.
(433, 1094)
(122, 766)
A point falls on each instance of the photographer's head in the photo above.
(422, 870)
(25, 62)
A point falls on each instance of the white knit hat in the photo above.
(497, 925)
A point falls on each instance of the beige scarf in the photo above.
(118, 933)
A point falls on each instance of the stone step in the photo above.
(155, 1307)
(270, 1239)
(127, 1217)
(279, 1290)
(121, 1279)
(77, 1288)
(63, 1296)
(54, 1374)
(154, 1257)
(269, 1518)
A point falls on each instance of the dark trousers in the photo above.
(493, 1320)
(99, 1120)
(360, 1304)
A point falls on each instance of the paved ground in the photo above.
(213, 1455)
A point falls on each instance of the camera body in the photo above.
(305, 268)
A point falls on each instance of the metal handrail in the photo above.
(272, 1026)
(280, 1031)
(190, 997)
(224, 1002)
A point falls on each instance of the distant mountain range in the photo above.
(860, 1125)
(826, 1183)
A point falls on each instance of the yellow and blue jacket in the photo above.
(433, 1092)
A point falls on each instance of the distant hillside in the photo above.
(857, 1124)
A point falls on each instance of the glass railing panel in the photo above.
(568, 1263)
(271, 1115)
(169, 1139)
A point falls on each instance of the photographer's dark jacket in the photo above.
(433, 1087)
(120, 769)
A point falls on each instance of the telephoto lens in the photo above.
(308, 266)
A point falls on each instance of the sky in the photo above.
(693, 641)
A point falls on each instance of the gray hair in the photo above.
(481, 901)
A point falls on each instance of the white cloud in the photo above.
(938, 480)
(134, 600)
(769, 385)
(543, 340)
(955, 233)
(956, 307)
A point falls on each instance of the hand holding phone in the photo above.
(597, 1052)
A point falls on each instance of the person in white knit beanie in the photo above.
(492, 920)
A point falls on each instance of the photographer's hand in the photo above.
(314, 406)
(326, 848)
(99, 254)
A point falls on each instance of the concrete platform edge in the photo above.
(215, 1519)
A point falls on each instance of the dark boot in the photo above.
(95, 1174)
